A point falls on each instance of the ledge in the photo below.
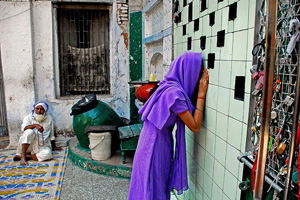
(158, 36)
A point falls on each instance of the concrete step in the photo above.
(110, 167)
(4, 142)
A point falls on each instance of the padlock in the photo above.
(295, 177)
(253, 129)
(273, 115)
(281, 148)
(253, 69)
(288, 100)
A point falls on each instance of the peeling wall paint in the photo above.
(30, 64)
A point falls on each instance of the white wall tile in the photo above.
(222, 126)
(234, 133)
(252, 5)
(230, 27)
(202, 137)
(225, 13)
(211, 116)
(238, 69)
(218, 23)
(232, 163)
(220, 150)
(201, 157)
(236, 107)
(241, 170)
(208, 185)
(211, 95)
(240, 39)
(206, 197)
(197, 36)
(190, 29)
(212, 5)
(219, 172)
(225, 197)
(222, 4)
(241, 21)
(214, 49)
(244, 137)
(209, 165)
(196, 46)
(250, 44)
(230, 185)
(184, 15)
(200, 178)
(248, 77)
(223, 99)
(217, 193)
(214, 74)
(232, 1)
(196, 9)
(205, 26)
(199, 193)
(210, 143)
(246, 108)
(226, 51)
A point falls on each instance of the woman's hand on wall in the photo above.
(203, 83)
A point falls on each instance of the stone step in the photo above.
(110, 167)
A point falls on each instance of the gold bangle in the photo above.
(199, 109)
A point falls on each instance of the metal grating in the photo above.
(284, 95)
(83, 51)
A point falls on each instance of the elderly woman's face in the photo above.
(39, 110)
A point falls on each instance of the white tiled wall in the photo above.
(213, 168)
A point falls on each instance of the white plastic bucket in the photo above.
(100, 145)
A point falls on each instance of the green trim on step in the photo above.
(116, 171)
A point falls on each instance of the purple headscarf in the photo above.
(179, 83)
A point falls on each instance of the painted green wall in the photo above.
(135, 59)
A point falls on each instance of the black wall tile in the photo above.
(196, 25)
(190, 11)
(184, 29)
(211, 61)
(189, 47)
(212, 18)
(221, 38)
(239, 89)
(232, 11)
(203, 5)
(202, 42)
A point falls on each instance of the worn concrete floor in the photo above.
(79, 184)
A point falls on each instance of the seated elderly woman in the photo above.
(37, 141)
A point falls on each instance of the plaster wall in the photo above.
(157, 38)
(17, 62)
(29, 47)
(213, 168)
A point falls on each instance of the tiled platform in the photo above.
(111, 167)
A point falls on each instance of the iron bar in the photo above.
(244, 159)
(267, 98)
(293, 139)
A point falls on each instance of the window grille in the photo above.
(83, 37)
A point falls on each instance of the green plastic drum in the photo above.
(102, 114)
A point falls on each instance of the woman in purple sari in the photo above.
(155, 170)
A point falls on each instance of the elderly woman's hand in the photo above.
(203, 84)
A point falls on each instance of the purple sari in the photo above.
(153, 158)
